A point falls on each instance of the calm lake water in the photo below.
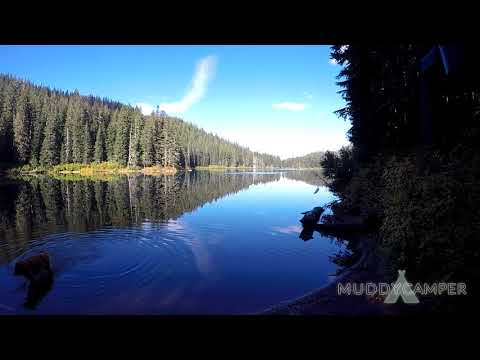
(193, 243)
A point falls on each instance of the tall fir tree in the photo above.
(22, 127)
(50, 151)
(122, 133)
(134, 151)
(88, 146)
(100, 146)
(38, 124)
(148, 142)
(7, 114)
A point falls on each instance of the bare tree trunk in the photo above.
(165, 150)
(130, 142)
(67, 147)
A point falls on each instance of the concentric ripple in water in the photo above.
(236, 254)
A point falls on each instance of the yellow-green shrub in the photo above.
(431, 218)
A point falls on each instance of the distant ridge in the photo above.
(311, 160)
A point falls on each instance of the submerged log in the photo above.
(312, 217)
(344, 224)
(338, 225)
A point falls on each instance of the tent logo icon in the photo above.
(402, 288)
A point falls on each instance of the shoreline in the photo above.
(370, 267)
(93, 171)
(326, 300)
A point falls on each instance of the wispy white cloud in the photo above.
(145, 108)
(204, 72)
(291, 106)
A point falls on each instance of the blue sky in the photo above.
(274, 99)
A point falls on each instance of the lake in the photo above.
(197, 242)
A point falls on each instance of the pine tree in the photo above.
(50, 151)
(38, 124)
(175, 153)
(110, 134)
(162, 142)
(70, 140)
(7, 114)
(148, 142)
(78, 135)
(122, 137)
(134, 151)
(88, 146)
(100, 148)
(22, 128)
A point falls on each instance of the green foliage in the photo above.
(426, 197)
(28, 168)
(432, 220)
(88, 144)
(39, 113)
(148, 142)
(67, 167)
(100, 146)
(134, 151)
(95, 166)
(380, 89)
(428, 219)
(122, 129)
(339, 168)
(22, 127)
(362, 192)
(8, 95)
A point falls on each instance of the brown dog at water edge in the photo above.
(33, 266)
(37, 269)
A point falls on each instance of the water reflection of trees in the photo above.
(312, 177)
(41, 205)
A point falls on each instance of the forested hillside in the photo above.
(44, 127)
(311, 160)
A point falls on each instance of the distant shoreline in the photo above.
(110, 168)
(93, 169)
